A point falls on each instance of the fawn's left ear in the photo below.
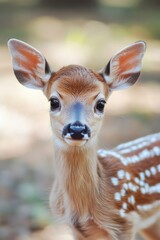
(124, 68)
(30, 67)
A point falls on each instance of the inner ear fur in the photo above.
(29, 65)
(124, 68)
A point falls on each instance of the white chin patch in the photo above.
(75, 143)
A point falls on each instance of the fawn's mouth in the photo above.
(76, 143)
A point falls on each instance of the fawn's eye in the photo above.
(55, 104)
(100, 105)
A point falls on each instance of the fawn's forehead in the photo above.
(76, 81)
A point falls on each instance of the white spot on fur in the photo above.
(137, 180)
(125, 186)
(131, 199)
(124, 205)
(142, 176)
(143, 155)
(102, 153)
(150, 139)
(153, 170)
(147, 173)
(148, 207)
(135, 147)
(158, 167)
(123, 192)
(143, 190)
(105, 153)
(114, 181)
(122, 213)
(117, 196)
(121, 174)
(156, 150)
(141, 183)
(154, 189)
(132, 187)
(128, 176)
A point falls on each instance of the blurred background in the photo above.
(85, 32)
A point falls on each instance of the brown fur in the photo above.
(84, 183)
(152, 233)
(84, 186)
(83, 195)
(75, 81)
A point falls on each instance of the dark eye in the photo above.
(55, 104)
(100, 105)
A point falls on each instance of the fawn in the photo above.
(105, 194)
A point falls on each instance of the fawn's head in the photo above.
(77, 95)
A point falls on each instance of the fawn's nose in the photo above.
(77, 131)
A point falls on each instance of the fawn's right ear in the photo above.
(30, 67)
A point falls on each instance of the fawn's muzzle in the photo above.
(76, 131)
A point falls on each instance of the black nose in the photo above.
(77, 131)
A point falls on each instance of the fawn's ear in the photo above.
(124, 68)
(30, 67)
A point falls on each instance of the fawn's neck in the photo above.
(76, 171)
